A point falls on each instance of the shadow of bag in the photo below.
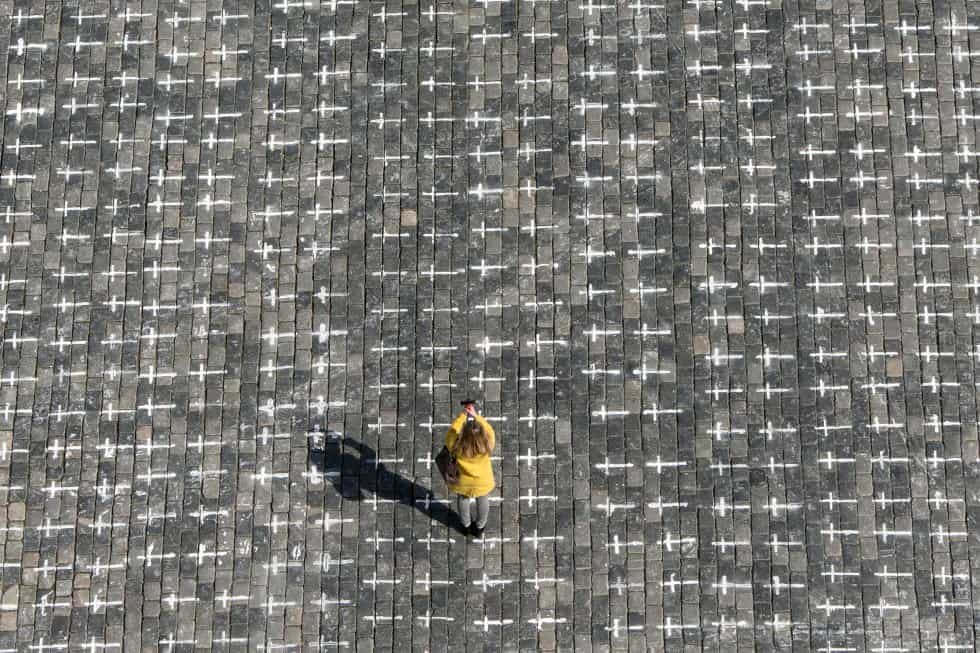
(446, 463)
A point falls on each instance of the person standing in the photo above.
(471, 439)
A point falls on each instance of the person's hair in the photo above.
(472, 441)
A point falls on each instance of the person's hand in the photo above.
(470, 409)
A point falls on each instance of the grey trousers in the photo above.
(482, 510)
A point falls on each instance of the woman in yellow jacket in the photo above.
(471, 440)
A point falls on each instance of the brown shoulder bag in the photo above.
(446, 462)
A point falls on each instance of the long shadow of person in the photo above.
(357, 477)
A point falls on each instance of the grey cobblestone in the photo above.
(709, 267)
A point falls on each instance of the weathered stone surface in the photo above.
(709, 267)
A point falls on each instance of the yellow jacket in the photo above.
(475, 474)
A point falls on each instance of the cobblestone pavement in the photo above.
(710, 267)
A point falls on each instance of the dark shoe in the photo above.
(476, 532)
(465, 530)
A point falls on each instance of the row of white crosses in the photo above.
(922, 285)
(669, 543)
(828, 460)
